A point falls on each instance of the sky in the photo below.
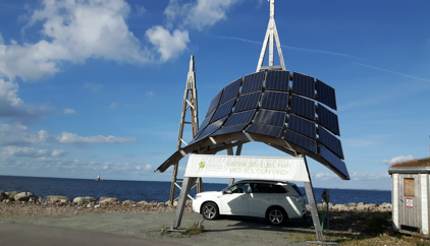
(94, 87)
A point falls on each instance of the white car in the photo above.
(276, 201)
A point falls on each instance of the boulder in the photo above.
(142, 203)
(59, 200)
(3, 196)
(81, 200)
(23, 196)
(11, 195)
(128, 203)
(108, 200)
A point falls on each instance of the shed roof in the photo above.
(412, 166)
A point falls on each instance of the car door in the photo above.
(260, 199)
(235, 200)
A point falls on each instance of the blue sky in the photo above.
(94, 87)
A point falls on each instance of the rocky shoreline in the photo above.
(23, 198)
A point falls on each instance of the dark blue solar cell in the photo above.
(236, 122)
(231, 91)
(303, 85)
(269, 117)
(253, 82)
(336, 164)
(302, 126)
(211, 128)
(277, 81)
(239, 118)
(247, 102)
(303, 107)
(266, 130)
(328, 119)
(223, 110)
(212, 107)
(326, 94)
(275, 101)
(301, 141)
(330, 141)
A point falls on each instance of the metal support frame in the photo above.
(313, 205)
(270, 39)
(186, 186)
(189, 104)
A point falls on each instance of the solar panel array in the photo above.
(280, 105)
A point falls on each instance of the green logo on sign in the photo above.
(202, 164)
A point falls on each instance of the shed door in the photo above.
(410, 206)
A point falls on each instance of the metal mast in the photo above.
(189, 105)
(270, 39)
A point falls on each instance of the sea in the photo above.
(153, 190)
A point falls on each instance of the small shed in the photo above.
(410, 196)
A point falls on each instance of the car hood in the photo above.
(209, 193)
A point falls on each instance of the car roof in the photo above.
(263, 181)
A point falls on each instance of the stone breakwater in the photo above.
(22, 198)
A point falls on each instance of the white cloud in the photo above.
(10, 103)
(168, 44)
(73, 31)
(30, 152)
(69, 111)
(71, 138)
(400, 158)
(19, 134)
(148, 167)
(199, 14)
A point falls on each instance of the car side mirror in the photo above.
(227, 192)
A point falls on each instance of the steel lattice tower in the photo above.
(189, 106)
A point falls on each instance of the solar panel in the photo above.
(335, 163)
(303, 85)
(328, 119)
(303, 107)
(266, 130)
(223, 110)
(253, 82)
(211, 128)
(302, 126)
(247, 102)
(330, 141)
(301, 141)
(273, 110)
(275, 100)
(326, 94)
(269, 117)
(211, 110)
(277, 81)
(231, 91)
(240, 118)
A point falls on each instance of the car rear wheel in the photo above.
(210, 210)
(276, 216)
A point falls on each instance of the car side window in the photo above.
(267, 188)
(240, 188)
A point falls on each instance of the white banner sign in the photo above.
(247, 167)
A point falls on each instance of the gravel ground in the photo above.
(147, 225)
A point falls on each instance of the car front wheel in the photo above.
(276, 216)
(210, 210)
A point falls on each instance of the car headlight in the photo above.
(198, 196)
